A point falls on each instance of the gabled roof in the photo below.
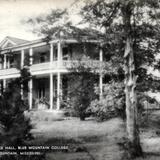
(17, 40)
(12, 41)
(62, 32)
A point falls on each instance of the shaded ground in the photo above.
(150, 133)
(90, 140)
(99, 140)
(150, 137)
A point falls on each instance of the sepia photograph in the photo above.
(79, 80)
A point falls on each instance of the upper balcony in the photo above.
(64, 66)
(51, 58)
(9, 73)
(55, 66)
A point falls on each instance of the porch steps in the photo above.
(45, 115)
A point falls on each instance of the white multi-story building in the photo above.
(49, 62)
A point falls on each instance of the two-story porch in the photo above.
(49, 63)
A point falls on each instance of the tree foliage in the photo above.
(131, 29)
(81, 92)
(108, 15)
(14, 125)
(130, 41)
(111, 104)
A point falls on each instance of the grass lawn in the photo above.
(90, 140)
(98, 139)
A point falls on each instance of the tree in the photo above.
(81, 93)
(51, 24)
(130, 83)
(58, 25)
(15, 125)
(111, 104)
(131, 30)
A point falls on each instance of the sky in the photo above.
(14, 12)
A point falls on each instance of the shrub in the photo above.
(111, 104)
(81, 91)
(81, 94)
(101, 110)
(16, 126)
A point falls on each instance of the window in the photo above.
(42, 57)
(65, 53)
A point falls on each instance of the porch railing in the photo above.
(65, 65)
(87, 63)
(9, 73)
(55, 65)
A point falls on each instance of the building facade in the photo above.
(49, 62)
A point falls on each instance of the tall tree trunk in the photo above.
(130, 88)
(131, 101)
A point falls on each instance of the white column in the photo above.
(22, 58)
(58, 90)
(5, 62)
(101, 54)
(59, 55)
(31, 55)
(22, 65)
(100, 74)
(4, 66)
(51, 53)
(31, 80)
(22, 91)
(101, 85)
(4, 84)
(51, 91)
(51, 77)
(30, 93)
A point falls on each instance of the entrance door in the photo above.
(41, 89)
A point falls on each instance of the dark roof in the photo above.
(75, 32)
(64, 32)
